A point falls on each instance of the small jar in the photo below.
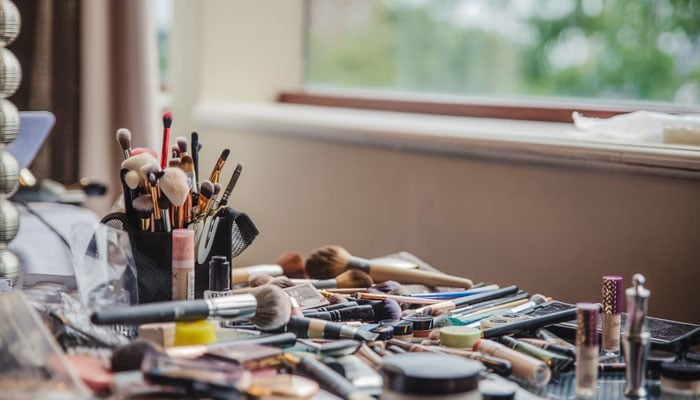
(680, 379)
(403, 330)
(430, 376)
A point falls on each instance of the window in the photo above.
(623, 51)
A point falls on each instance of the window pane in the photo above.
(624, 49)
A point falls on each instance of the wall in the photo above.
(549, 229)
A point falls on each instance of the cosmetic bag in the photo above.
(227, 233)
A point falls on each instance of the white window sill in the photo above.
(509, 139)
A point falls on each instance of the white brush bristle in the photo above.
(174, 185)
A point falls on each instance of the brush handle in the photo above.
(358, 313)
(319, 329)
(330, 379)
(532, 323)
(382, 273)
(186, 310)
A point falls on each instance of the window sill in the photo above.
(518, 140)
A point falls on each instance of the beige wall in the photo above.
(553, 230)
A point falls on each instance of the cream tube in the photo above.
(587, 349)
(525, 367)
(183, 264)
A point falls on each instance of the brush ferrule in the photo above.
(359, 263)
(236, 306)
(325, 284)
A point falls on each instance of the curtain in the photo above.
(119, 88)
(93, 63)
(48, 50)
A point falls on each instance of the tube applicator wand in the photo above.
(637, 338)
(167, 121)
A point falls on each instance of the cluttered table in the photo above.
(161, 312)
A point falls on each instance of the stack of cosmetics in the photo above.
(325, 326)
(334, 326)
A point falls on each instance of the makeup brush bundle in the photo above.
(170, 192)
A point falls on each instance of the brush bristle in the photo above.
(224, 154)
(282, 282)
(182, 144)
(132, 179)
(387, 309)
(217, 189)
(143, 204)
(137, 161)
(206, 190)
(327, 262)
(174, 185)
(292, 264)
(274, 308)
(151, 172)
(124, 138)
(167, 119)
(174, 163)
(337, 299)
(130, 356)
(354, 278)
(260, 280)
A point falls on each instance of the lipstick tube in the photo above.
(587, 343)
(637, 338)
(612, 309)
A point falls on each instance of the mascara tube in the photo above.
(612, 309)
(587, 349)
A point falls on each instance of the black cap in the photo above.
(447, 374)
(219, 274)
(402, 328)
(501, 390)
(385, 332)
(681, 371)
(420, 323)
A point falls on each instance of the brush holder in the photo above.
(228, 234)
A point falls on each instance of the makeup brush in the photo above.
(173, 184)
(386, 310)
(214, 199)
(174, 163)
(151, 172)
(127, 193)
(231, 185)
(390, 287)
(330, 261)
(267, 307)
(282, 282)
(449, 305)
(319, 329)
(124, 140)
(292, 264)
(167, 121)
(245, 274)
(532, 323)
(400, 299)
(206, 191)
(329, 378)
(174, 152)
(144, 209)
(260, 280)
(187, 166)
(215, 176)
(181, 143)
(195, 162)
(351, 278)
(358, 313)
(136, 163)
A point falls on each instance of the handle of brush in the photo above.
(331, 380)
(383, 273)
(449, 305)
(185, 310)
(531, 323)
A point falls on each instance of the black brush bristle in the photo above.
(224, 154)
(387, 310)
(130, 356)
(167, 119)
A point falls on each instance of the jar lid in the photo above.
(693, 357)
(385, 332)
(420, 323)
(430, 373)
(501, 390)
(681, 371)
(658, 357)
(459, 336)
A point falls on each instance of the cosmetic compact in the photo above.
(681, 379)
(422, 325)
(448, 377)
(403, 330)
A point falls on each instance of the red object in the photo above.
(139, 150)
(167, 121)
(91, 371)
